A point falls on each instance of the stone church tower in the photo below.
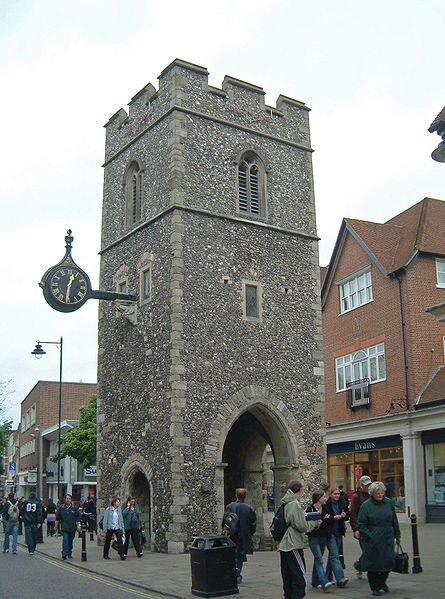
(214, 379)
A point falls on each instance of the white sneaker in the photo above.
(327, 586)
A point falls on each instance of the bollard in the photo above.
(84, 545)
(416, 556)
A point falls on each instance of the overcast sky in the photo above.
(372, 74)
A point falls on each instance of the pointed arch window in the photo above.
(250, 185)
(133, 193)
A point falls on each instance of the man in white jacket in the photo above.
(293, 568)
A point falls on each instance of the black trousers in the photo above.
(108, 536)
(135, 537)
(377, 580)
(293, 573)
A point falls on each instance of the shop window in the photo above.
(435, 473)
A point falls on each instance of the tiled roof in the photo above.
(434, 389)
(420, 228)
(439, 122)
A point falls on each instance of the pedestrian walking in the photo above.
(378, 527)
(32, 519)
(113, 524)
(89, 513)
(131, 515)
(359, 497)
(246, 528)
(51, 510)
(68, 518)
(318, 541)
(338, 514)
(11, 514)
(293, 568)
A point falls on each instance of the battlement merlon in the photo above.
(184, 84)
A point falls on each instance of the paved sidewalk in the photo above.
(169, 575)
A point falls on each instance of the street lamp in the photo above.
(38, 352)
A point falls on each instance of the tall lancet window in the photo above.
(133, 194)
(251, 185)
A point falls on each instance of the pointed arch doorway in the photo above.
(139, 487)
(258, 455)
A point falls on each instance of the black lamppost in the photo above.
(38, 352)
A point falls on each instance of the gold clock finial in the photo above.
(69, 239)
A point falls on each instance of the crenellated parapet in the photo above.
(184, 86)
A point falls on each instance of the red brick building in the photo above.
(38, 437)
(384, 357)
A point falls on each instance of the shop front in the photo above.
(433, 442)
(380, 458)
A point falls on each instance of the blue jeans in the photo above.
(67, 542)
(317, 546)
(31, 537)
(334, 565)
(239, 560)
(11, 528)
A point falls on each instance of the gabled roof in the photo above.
(434, 390)
(392, 246)
(439, 122)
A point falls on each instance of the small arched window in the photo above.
(133, 194)
(250, 185)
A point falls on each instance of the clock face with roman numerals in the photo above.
(66, 287)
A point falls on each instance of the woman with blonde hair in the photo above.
(113, 524)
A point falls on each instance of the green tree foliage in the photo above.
(80, 441)
(4, 434)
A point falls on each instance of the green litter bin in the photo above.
(213, 566)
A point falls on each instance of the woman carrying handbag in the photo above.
(132, 522)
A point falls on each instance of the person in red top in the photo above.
(359, 497)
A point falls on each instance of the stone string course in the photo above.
(172, 386)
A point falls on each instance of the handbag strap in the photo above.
(399, 549)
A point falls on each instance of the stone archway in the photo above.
(136, 481)
(258, 441)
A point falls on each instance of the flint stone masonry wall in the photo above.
(171, 385)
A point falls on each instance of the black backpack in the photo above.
(230, 525)
(279, 526)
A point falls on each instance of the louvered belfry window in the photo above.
(249, 185)
(133, 194)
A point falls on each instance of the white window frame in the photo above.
(367, 363)
(440, 272)
(355, 290)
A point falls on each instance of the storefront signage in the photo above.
(90, 471)
(366, 444)
(363, 445)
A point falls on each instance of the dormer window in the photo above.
(250, 185)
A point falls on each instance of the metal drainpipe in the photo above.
(403, 342)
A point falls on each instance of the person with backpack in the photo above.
(11, 514)
(32, 519)
(242, 528)
(293, 568)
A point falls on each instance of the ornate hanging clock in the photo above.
(66, 287)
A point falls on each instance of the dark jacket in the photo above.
(328, 509)
(378, 527)
(69, 518)
(246, 524)
(32, 511)
(325, 530)
(357, 499)
(127, 516)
